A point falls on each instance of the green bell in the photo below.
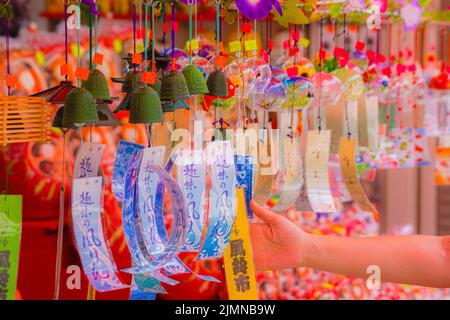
(132, 81)
(79, 107)
(106, 118)
(194, 80)
(145, 106)
(217, 84)
(97, 85)
(58, 120)
(157, 86)
(174, 87)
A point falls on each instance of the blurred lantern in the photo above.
(273, 97)
(299, 93)
(241, 76)
(328, 88)
(353, 83)
(263, 74)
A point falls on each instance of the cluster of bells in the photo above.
(88, 105)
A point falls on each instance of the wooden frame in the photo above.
(23, 119)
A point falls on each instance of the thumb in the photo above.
(265, 214)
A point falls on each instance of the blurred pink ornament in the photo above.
(411, 14)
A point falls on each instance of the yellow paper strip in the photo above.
(348, 167)
(235, 46)
(250, 45)
(238, 257)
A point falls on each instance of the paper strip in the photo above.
(372, 109)
(268, 164)
(244, 178)
(147, 184)
(93, 249)
(88, 159)
(293, 174)
(347, 159)
(124, 152)
(191, 176)
(10, 235)
(238, 258)
(316, 166)
(222, 199)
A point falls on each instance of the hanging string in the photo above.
(173, 33)
(345, 45)
(90, 40)
(319, 117)
(146, 40)
(66, 36)
(95, 36)
(60, 236)
(152, 23)
(217, 52)
(134, 29)
(190, 31)
(78, 49)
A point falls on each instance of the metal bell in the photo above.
(145, 106)
(174, 87)
(195, 81)
(106, 118)
(97, 85)
(79, 108)
(217, 84)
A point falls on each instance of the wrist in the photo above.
(307, 249)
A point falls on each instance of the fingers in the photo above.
(265, 214)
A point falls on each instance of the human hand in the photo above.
(277, 243)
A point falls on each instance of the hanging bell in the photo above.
(174, 87)
(79, 107)
(106, 118)
(217, 84)
(157, 86)
(56, 95)
(58, 120)
(97, 85)
(145, 106)
(132, 81)
(195, 81)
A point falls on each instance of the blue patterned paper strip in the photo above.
(222, 199)
(244, 179)
(124, 152)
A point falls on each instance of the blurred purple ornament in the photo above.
(257, 9)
